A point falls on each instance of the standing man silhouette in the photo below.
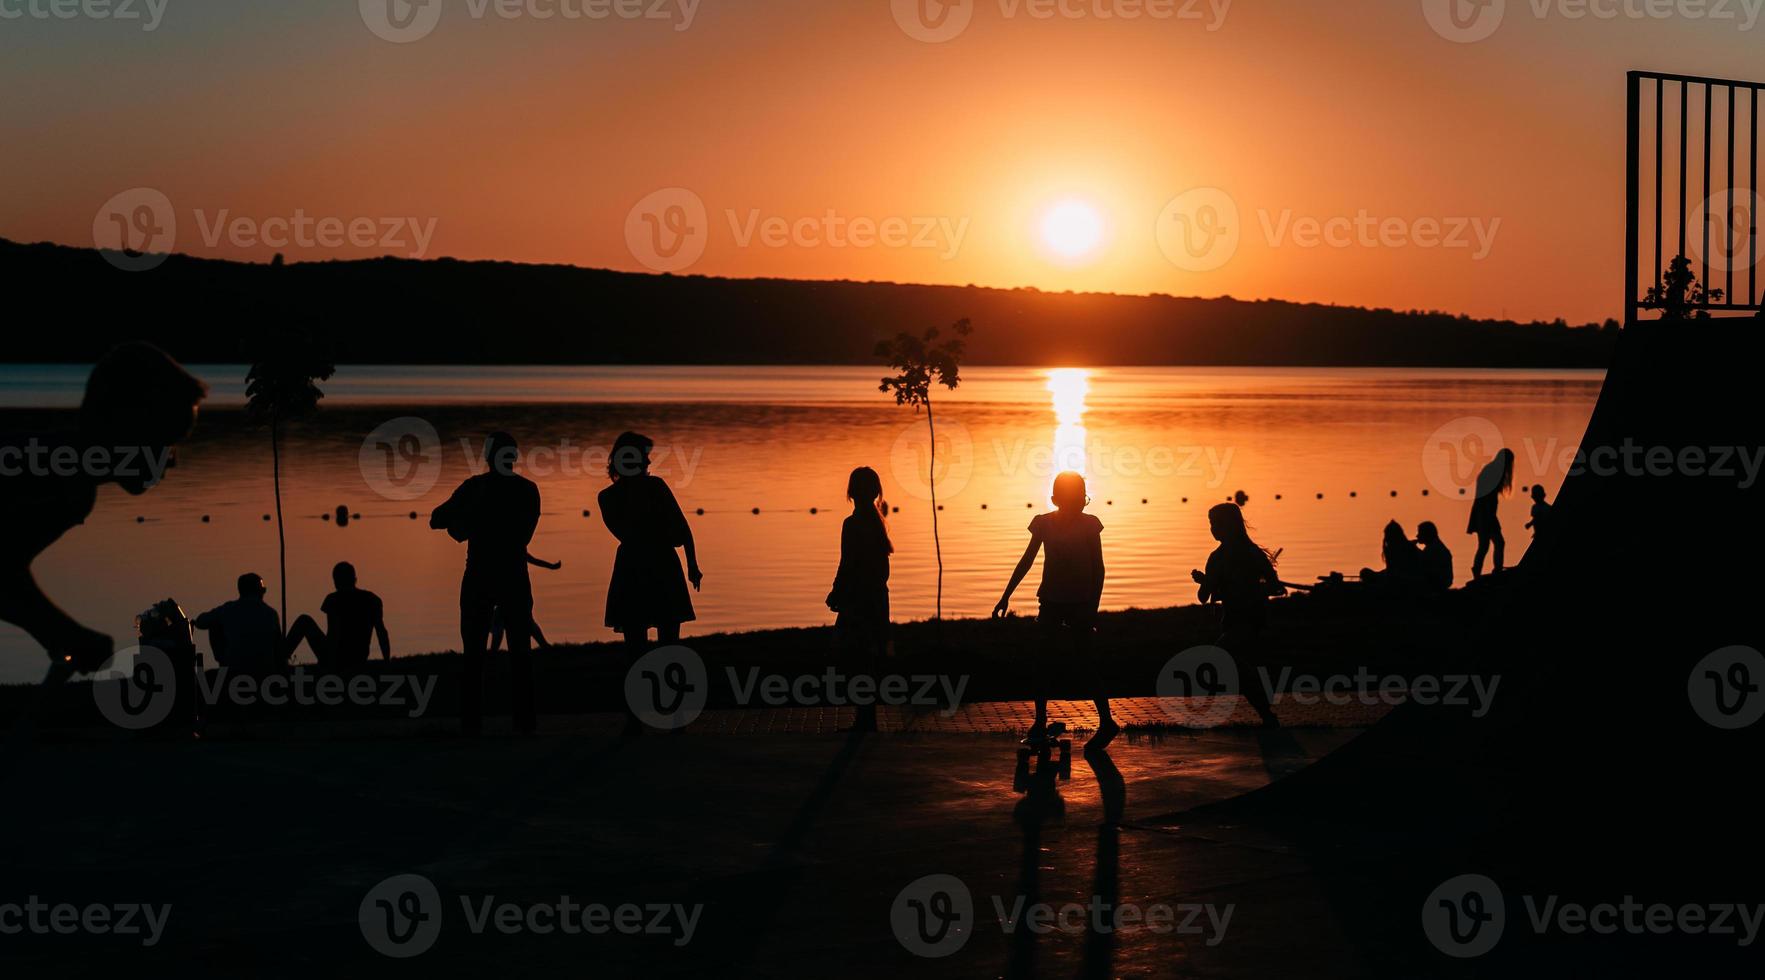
(495, 514)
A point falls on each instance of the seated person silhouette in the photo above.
(1403, 562)
(138, 404)
(1436, 558)
(352, 615)
(245, 633)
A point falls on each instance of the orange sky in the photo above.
(797, 123)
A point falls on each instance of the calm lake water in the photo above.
(1158, 446)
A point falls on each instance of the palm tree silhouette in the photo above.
(921, 360)
(281, 385)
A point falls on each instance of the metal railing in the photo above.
(1726, 211)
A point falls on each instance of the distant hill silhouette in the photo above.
(445, 311)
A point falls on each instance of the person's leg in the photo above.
(517, 617)
(476, 609)
(637, 643)
(306, 629)
(667, 634)
(1048, 630)
(1501, 550)
(1482, 552)
(1244, 646)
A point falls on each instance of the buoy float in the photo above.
(701, 512)
(815, 510)
(205, 518)
(140, 520)
(413, 515)
(756, 512)
(343, 516)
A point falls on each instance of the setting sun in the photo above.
(1072, 229)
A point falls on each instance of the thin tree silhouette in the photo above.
(1679, 295)
(922, 360)
(281, 385)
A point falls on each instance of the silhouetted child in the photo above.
(1541, 510)
(1494, 482)
(1436, 558)
(1071, 591)
(138, 402)
(533, 630)
(1240, 576)
(1403, 562)
(860, 593)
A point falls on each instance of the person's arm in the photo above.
(848, 550)
(380, 632)
(1207, 582)
(1097, 566)
(23, 604)
(542, 563)
(451, 515)
(1024, 565)
(693, 574)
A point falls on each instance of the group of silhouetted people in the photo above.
(139, 397)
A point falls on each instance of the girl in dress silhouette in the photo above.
(647, 590)
(1494, 482)
(1240, 576)
(860, 593)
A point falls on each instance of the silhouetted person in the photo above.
(860, 593)
(352, 616)
(498, 626)
(139, 403)
(1541, 511)
(246, 633)
(1436, 558)
(1071, 591)
(1240, 576)
(1403, 562)
(1494, 482)
(647, 591)
(495, 513)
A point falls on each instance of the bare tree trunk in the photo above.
(932, 481)
(281, 537)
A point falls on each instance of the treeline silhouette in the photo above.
(393, 311)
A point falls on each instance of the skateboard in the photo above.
(1047, 765)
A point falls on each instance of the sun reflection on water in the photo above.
(1069, 387)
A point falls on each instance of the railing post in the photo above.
(1632, 185)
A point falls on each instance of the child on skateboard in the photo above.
(1072, 588)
